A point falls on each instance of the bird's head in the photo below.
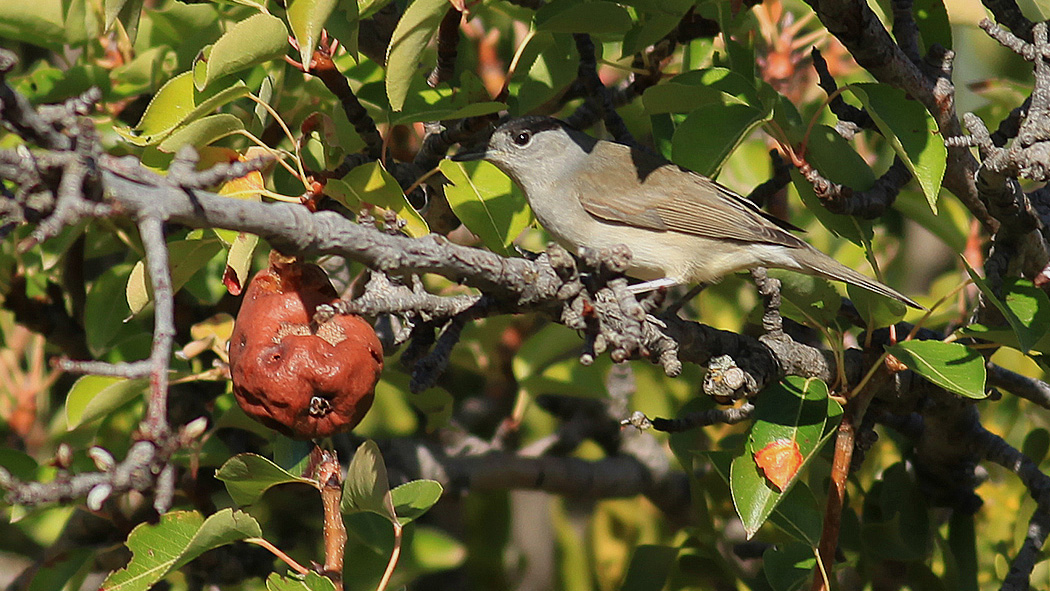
(529, 149)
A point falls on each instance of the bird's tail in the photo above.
(815, 262)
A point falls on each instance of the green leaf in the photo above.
(886, 541)
(440, 112)
(260, 115)
(1036, 444)
(104, 311)
(410, 38)
(960, 553)
(293, 455)
(660, 6)
(366, 488)
(896, 521)
(1026, 307)
(367, 8)
(437, 550)
(487, 203)
(93, 397)
(595, 18)
(19, 464)
(167, 109)
(877, 310)
(739, 49)
(797, 411)
(239, 257)
(710, 133)
(648, 32)
(807, 299)
(742, 89)
(838, 162)
(139, 291)
(710, 86)
(436, 404)
(676, 97)
(200, 67)
(344, 25)
(799, 515)
(932, 18)
(66, 571)
(207, 102)
(423, 103)
(202, 132)
(650, 565)
(370, 183)
(788, 567)
(113, 8)
(46, 84)
(185, 27)
(311, 582)
(78, 28)
(548, 64)
(412, 499)
(174, 105)
(307, 18)
(248, 476)
(911, 131)
(129, 13)
(952, 366)
(144, 73)
(253, 41)
(40, 23)
(185, 258)
(180, 537)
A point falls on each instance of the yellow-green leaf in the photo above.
(952, 366)
(307, 18)
(410, 38)
(180, 537)
(371, 184)
(487, 203)
(256, 39)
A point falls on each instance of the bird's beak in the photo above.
(467, 156)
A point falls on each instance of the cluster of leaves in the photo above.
(182, 536)
(212, 76)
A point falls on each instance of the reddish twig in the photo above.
(324, 68)
(829, 537)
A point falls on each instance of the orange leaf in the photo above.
(779, 461)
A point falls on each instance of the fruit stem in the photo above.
(334, 529)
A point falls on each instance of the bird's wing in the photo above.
(660, 196)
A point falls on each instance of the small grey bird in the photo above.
(681, 227)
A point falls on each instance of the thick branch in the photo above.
(615, 476)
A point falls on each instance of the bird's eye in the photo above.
(522, 138)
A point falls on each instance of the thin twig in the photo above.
(302, 570)
(394, 556)
(829, 537)
(152, 231)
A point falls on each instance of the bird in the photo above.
(681, 227)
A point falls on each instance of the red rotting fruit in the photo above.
(306, 382)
